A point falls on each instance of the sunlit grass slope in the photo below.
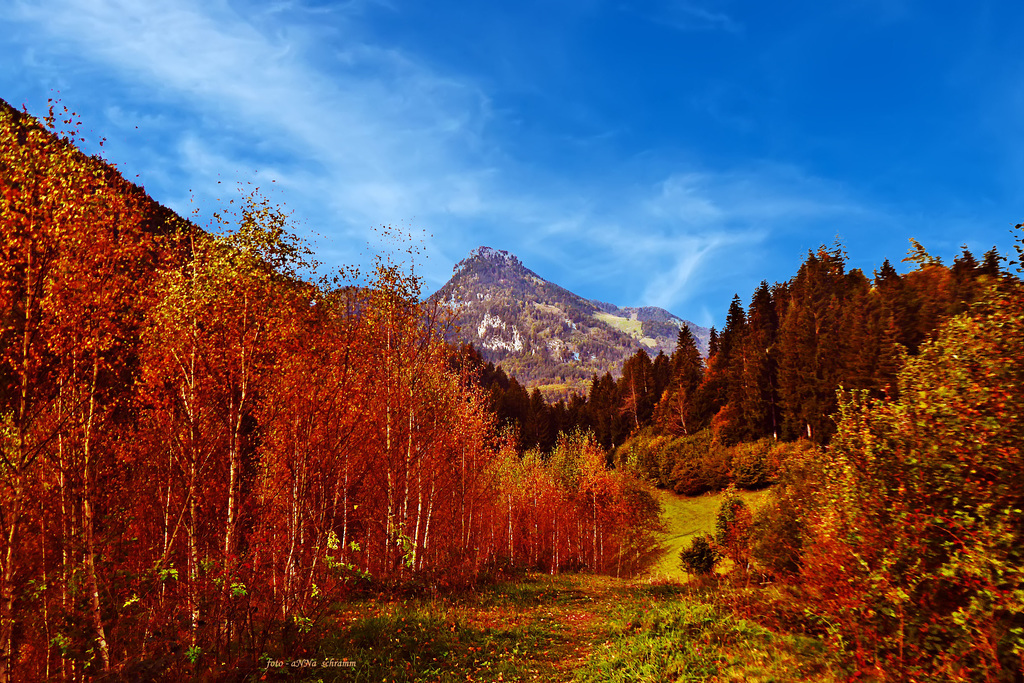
(630, 327)
(686, 518)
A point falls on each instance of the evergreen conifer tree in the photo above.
(636, 389)
(810, 335)
(676, 410)
(760, 402)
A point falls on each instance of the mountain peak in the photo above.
(544, 334)
(492, 254)
(498, 257)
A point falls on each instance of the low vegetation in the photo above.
(685, 519)
(212, 469)
(671, 633)
(568, 627)
(697, 464)
(563, 628)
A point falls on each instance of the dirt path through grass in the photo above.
(572, 627)
(558, 622)
(540, 628)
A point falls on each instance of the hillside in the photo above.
(545, 335)
(22, 147)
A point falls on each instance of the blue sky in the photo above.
(667, 152)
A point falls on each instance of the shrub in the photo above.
(778, 533)
(700, 557)
(733, 528)
(640, 455)
(777, 537)
(749, 464)
(699, 464)
(782, 452)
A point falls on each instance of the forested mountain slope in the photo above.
(545, 335)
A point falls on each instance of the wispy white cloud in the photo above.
(691, 15)
(695, 229)
(760, 192)
(357, 133)
(682, 198)
(668, 287)
(384, 133)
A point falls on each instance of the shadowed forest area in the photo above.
(212, 459)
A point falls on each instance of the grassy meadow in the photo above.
(570, 627)
(688, 517)
(630, 326)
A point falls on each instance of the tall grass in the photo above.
(667, 634)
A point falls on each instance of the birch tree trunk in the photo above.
(88, 524)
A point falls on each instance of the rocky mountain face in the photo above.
(545, 335)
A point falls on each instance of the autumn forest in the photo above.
(207, 444)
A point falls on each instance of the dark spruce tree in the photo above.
(636, 391)
(676, 411)
(728, 370)
(811, 331)
(760, 400)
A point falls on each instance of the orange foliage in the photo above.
(201, 452)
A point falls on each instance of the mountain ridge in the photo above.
(545, 335)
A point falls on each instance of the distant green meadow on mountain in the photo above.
(545, 335)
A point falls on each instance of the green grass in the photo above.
(538, 628)
(685, 518)
(665, 633)
(563, 628)
(631, 327)
(573, 627)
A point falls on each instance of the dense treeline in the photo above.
(901, 542)
(611, 412)
(200, 452)
(773, 373)
(693, 424)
